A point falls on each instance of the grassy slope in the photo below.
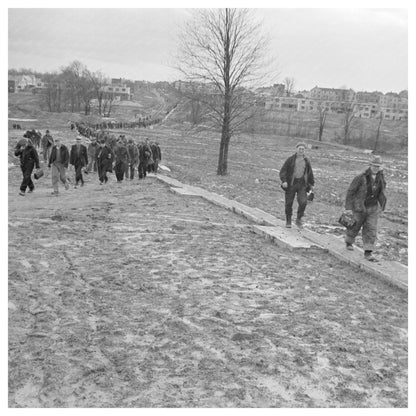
(254, 162)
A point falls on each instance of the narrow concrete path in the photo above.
(274, 229)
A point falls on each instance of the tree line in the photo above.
(72, 89)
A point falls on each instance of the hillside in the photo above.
(254, 161)
(132, 295)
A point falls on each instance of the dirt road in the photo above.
(128, 295)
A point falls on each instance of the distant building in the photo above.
(116, 81)
(195, 87)
(368, 97)
(365, 104)
(23, 82)
(404, 94)
(332, 94)
(117, 92)
(367, 110)
(282, 103)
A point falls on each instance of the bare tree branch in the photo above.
(226, 49)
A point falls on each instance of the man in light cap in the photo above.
(297, 180)
(78, 158)
(365, 199)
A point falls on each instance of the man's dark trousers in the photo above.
(78, 173)
(27, 180)
(298, 188)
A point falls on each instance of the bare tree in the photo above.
(226, 49)
(98, 80)
(107, 104)
(380, 120)
(349, 115)
(322, 112)
(72, 74)
(289, 86)
(52, 94)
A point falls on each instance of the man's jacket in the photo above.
(64, 155)
(28, 156)
(358, 192)
(288, 168)
(78, 158)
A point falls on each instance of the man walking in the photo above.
(297, 180)
(365, 198)
(157, 156)
(46, 143)
(145, 158)
(122, 160)
(105, 159)
(78, 158)
(28, 160)
(92, 151)
(59, 159)
(133, 152)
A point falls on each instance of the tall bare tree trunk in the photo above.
(378, 131)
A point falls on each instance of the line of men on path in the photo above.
(365, 197)
(94, 130)
(122, 155)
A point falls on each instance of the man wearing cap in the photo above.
(297, 180)
(365, 198)
(59, 159)
(78, 158)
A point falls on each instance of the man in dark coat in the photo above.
(154, 163)
(365, 199)
(59, 160)
(105, 157)
(46, 144)
(297, 180)
(28, 160)
(145, 157)
(157, 156)
(78, 158)
(122, 160)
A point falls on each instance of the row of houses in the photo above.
(361, 109)
(391, 106)
(117, 88)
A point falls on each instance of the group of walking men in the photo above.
(124, 156)
(364, 200)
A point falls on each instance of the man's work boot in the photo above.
(368, 255)
(349, 246)
(299, 223)
(288, 222)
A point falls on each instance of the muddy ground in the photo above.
(128, 295)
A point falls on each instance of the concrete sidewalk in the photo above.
(274, 229)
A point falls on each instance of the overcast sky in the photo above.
(363, 49)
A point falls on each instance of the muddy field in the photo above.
(127, 295)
